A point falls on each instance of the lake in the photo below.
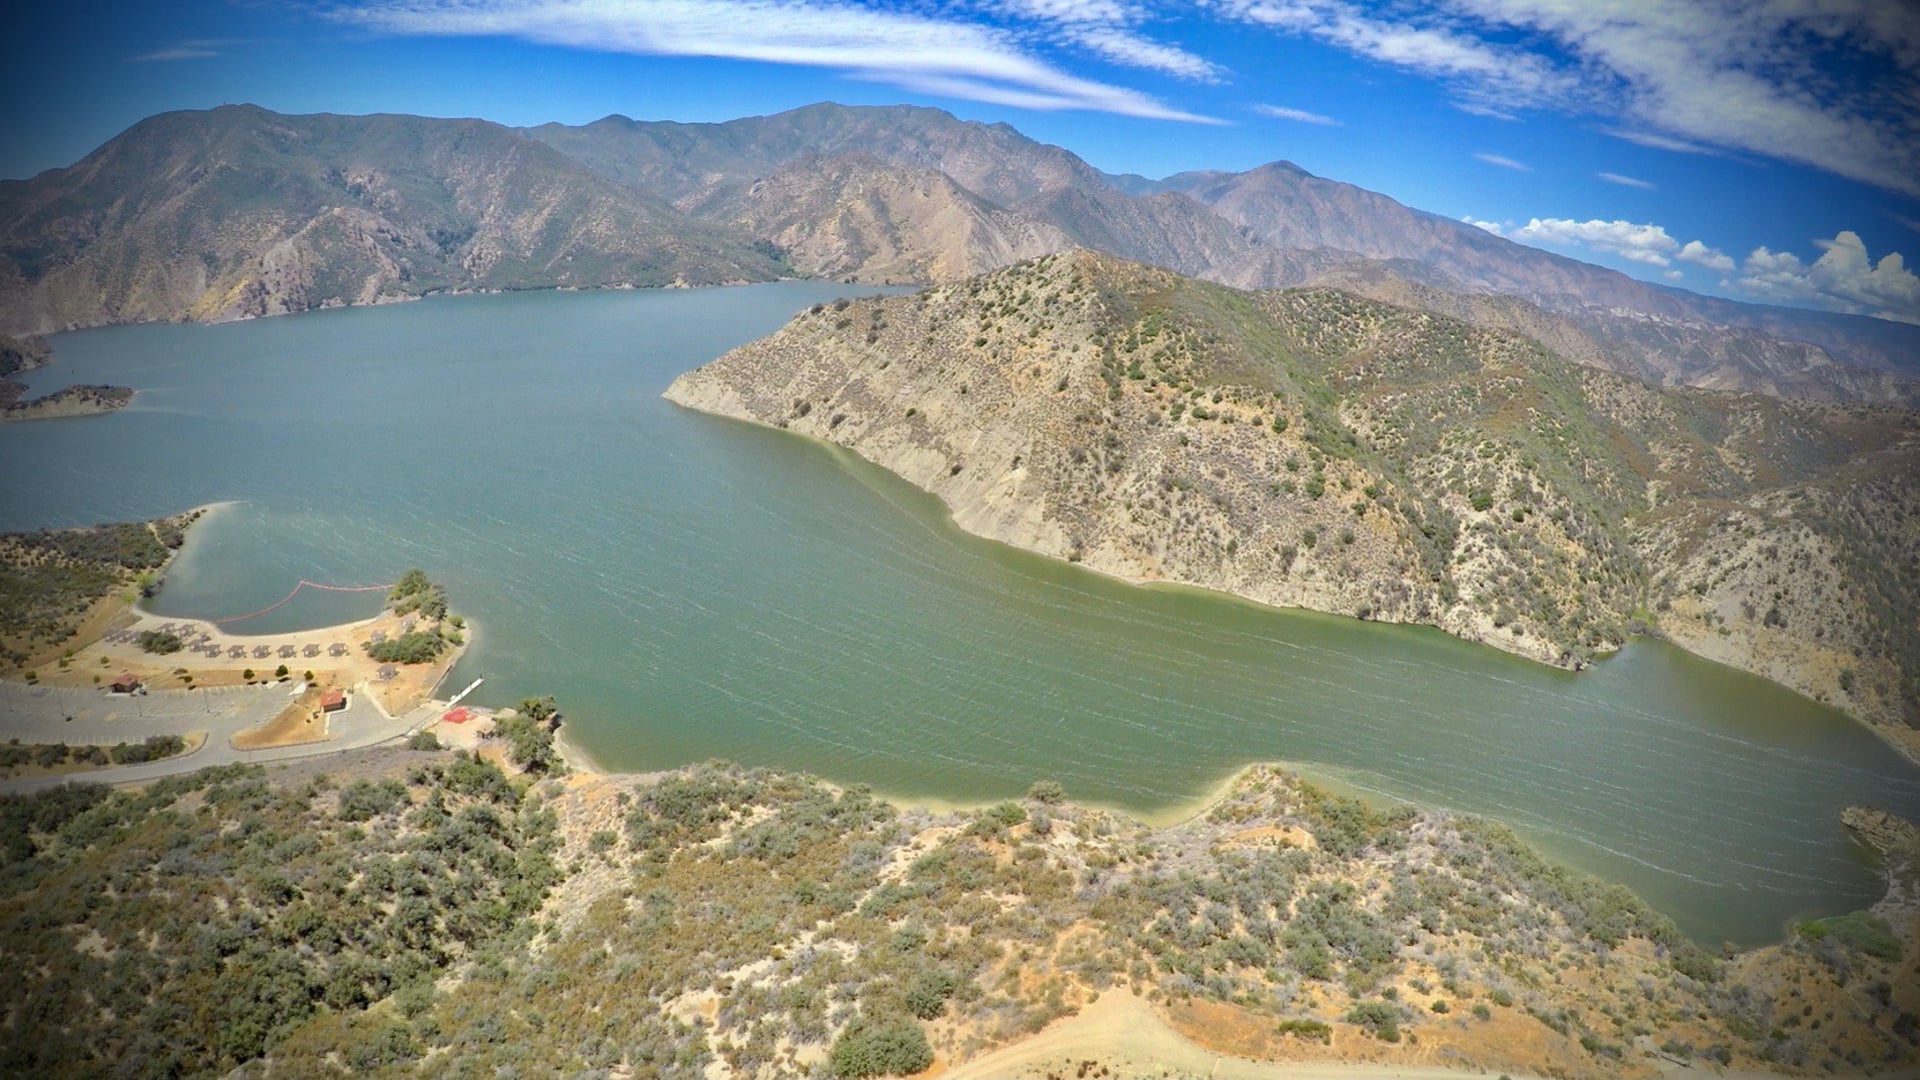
(694, 588)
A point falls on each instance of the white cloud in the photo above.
(1843, 278)
(1490, 226)
(1712, 258)
(930, 53)
(1504, 162)
(1281, 112)
(1648, 244)
(1826, 83)
(1627, 181)
(1672, 275)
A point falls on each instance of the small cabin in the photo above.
(332, 701)
(126, 683)
(387, 672)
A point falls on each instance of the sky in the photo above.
(1764, 150)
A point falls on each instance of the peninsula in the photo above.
(1316, 449)
(22, 354)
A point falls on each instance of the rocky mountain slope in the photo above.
(855, 216)
(417, 913)
(1313, 448)
(239, 211)
(1662, 349)
(1270, 226)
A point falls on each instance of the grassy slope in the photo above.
(417, 913)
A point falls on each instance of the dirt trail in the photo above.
(1123, 1033)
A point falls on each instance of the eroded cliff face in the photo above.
(1310, 448)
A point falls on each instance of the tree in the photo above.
(280, 672)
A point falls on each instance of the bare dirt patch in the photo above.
(298, 723)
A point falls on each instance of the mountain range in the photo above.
(238, 211)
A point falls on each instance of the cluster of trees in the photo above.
(14, 754)
(413, 647)
(238, 917)
(528, 732)
(415, 592)
(49, 579)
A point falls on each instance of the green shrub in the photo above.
(927, 997)
(1047, 791)
(1381, 1019)
(154, 641)
(893, 1047)
(1859, 930)
(1306, 1029)
(364, 800)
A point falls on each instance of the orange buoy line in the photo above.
(304, 584)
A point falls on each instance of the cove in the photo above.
(692, 588)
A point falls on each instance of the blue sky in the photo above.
(1759, 149)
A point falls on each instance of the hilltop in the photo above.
(1312, 448)
(414, 912)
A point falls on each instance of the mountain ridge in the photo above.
(238, 211)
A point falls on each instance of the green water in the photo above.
(695, 588)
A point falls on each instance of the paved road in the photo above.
(45, 714)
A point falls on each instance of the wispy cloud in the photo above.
(1827, 84)
(1109, 29)
(925, 48)
(1282, 112)
(1660, 142)
(197, 49)
(1504, 162)
(1627, 181)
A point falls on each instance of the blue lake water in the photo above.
(692, 588)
